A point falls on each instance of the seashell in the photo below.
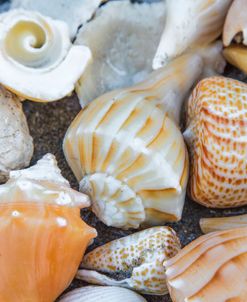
(236, 55)
(73, 12)
(116, 41)
(102, 294)
(38, 206)
(211, 268)
(222, 223)
(216, 135)
(35, 55)
(190, 24)
(16, 144)
(140, 255)
(127, 152)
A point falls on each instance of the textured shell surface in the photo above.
(141, 255)
(211, 268)
(116, 40)
(36, 53)
(190, 24)
(216, 135)
(128, 153)
(40, 229)
(102, 294)
(16, 148)
(73, 12)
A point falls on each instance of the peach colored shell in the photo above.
(217, 138)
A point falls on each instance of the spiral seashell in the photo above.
(42, 237)
(211, 268)
(140, 256)
(102, 294)
(127, 152)
(37, 59)
(190, 24)
(16, 144)
(216, 135)
(73, 12)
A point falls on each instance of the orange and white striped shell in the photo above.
(216, 135)
(213, 268)
(140, 256)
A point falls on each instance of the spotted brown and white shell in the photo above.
(140, 256)
(213, 268)
(216, 135)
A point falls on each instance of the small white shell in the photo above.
(16, 144)
(37, 59)
(101, 294)
(141, 255)
(123, 38)
(190, 24)
(73, 12)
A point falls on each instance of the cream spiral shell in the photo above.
(217, 138)
(211, 268)
(37, 59)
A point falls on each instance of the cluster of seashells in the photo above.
(134, 162)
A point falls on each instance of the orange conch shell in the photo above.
(42, 238)
(217, 138)
(213, 268)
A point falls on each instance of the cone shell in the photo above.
(217, 138)
(141, 255)
(102, 294)
(212, 268)
(42, 240)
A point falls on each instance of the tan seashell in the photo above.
(140, 254)
(73, 12)
(211, 268)
(190, 24)
(216, 135)
(102, 294)
(38, 61)
(127, 152)
(16, 144)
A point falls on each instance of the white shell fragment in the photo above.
(101, 294)
(73, 12)
(190, 24)
(38, 61)
(42, 182)
(141, 255)
(123, 38)
(16, 144)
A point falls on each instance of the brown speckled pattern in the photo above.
(48, 124)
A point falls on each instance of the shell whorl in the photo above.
(217, 137)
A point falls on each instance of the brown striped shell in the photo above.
(140, 255)
(217, 138)
(213, 268)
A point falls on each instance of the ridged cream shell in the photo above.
(216, 135)
(101, 294)
(38, 61)
(213, 268)
(190, 25)
(140, 255)
(128, 153)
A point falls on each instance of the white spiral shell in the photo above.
(37, 59)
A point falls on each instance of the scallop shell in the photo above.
(217, 138)
(140, 255)
(39, 221)
(116, 41)
(73, 12)
(37, 59)
(190, 24)
(16, 144)
(102, 294)
(211, 268)
(127, 152)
